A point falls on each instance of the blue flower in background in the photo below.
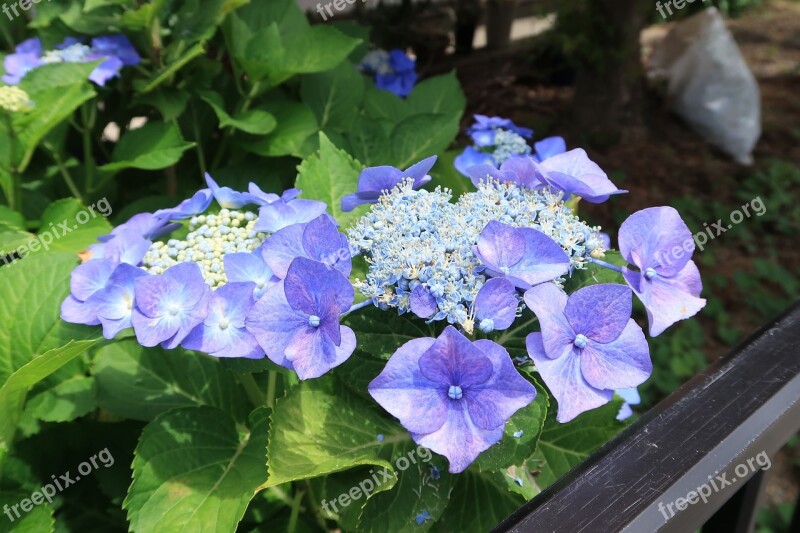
(484, 131)
(523, 256)
(116, 51)
(296, 322)
(548, 147)
(667, 283)
(496, 140)
(374, 181)
(588, 347)
(631, 397)
(470, 157)
(393, 71)
(574, 173)
(453, 395)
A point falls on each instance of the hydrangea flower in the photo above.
(116, 51)
(660, 245)
(113, 304)
(417, 238)
(14, 100)
(230, 199)
(288, 210)
(524, 256)
(374, 181)
(222, 332)
(496, 140)
(169, 306)
(296, 322)
(198, 203)
(87, 279)
(588, 347)
(548, 147)
(250, 267)
(631, 397)
(574, 173)
(453, 395)
(394, 71)
(495, 306)
(319, 240)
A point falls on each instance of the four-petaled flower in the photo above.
(660, 245)
(319, 240)
(484, 130)
(588, 347)
(297, 321)
(453, 395)
(524, 256)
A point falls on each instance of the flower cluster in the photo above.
(115, 51)
(14, 100)
(422, 248)
(394, 71)
(261, 275)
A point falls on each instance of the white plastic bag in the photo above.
(710, 85)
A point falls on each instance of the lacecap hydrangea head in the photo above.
(195, 290)
(14, 100)
(393, 71)
(423, 251)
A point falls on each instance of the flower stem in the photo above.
(64, 172)
(615, 268)
(271, 380)
(356, 307)
(252, 390)
(298, 497)
(87, 118)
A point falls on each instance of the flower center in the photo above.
(223, 324)
(174, 310)
(580, 341)
(486, 325)
(455, 392)
(505, 270)
(313, 321)
(650, 273)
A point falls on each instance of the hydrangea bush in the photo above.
(343, 325)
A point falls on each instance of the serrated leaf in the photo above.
(141, 383)
(334, 95)
(321, 427)
(328, 176)
(421, 136)
(154, 146)
(31, 292)
(369, 142)
(562, 446)
(11, 238)
(296, 124)
(15, 388)
(194, 470)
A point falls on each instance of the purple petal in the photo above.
(564, 379)
(656, 238)
(78, 312)
(454, 360)
(351, 201)
(500, 245)
(459, 439)
(625, 362)
(272, 321)
(312, 353)
(423, 303)
(419, 171)
(543, 260)
(280, 214)
(283, 247)
(229, 198)
(669, 300)
(547, 148)
(249, 266)
(107, 70)
(495, 401)
(470, 158)
(525, 171)
(575, 173)
(548, 303)
(188, 208)
(323, 242)
(600, 312)
(379, 179)
(307, 281)
(420, 404)
(497, 301)
(90, 277)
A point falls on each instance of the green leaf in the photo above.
(334, 95)
(164, 74)
(296, 123)
(154, 146)
(438, 95)
(11, 238)
(38, 520)
(421, 136)
(562, 446)
(479, 502)
(169, 102)
(57, 91)
(381, 333)
(71, 227)
(196, 469)
(15, 388)
(30, 300)
(141, 383)
(511, 450)
(11, 217)
(196, 19)
(384, 106)
(328, 176)
(66, 401)
(320, 427)
(369, 141)
(255, 121)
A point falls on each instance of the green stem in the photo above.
(271, 388)
(64, 172)
(15, 199)
(312, 498)
(88, 115)
(226, 133)
(201, 159)
(252, 390)
(298, 497)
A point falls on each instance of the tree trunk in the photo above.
(608, 92)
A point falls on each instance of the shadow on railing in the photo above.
(694, 460)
